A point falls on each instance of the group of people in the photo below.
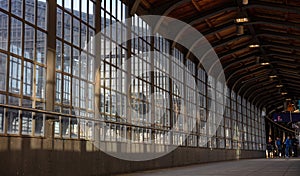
(279, 148)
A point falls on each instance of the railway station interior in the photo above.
(149, 87)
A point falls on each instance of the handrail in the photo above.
(279, 125)
(79, 117)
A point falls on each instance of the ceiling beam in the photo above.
(249, 86)
(260, 98)
(241, 77)
(244, 68)
(134, 7)
(165, 9)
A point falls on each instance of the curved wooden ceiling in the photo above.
(273, 24)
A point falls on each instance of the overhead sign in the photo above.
(286, 117)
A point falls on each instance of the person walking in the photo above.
(278, 145)
(287, 144)
(269, 148)
(295, 143)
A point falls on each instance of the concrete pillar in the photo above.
(50, 80)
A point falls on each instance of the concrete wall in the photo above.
(38, 156)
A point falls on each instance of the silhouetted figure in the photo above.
(278, 144)
(295, 143)
(269, 148)
(288, 144)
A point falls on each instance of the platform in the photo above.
(254, 167)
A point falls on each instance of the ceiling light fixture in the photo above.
(279, 85)
(283, 93)
(265, 63)
(241, 20)
(254, 46)
(273, 76)
(245, 2)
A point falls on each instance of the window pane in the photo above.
(91, 13)
(67, 27)
(27, 82)
(29, 11)
(3, 30)
(4, 4)
(58, 88)
(16, 7)
(42, 14)
(26, 117)
(29, 42)
(67, 58)
(40, 82)
(16, 37)
(68, 5)
(41, 44)
(76, 32)
(58, 54)
(84, 5)
(13, 116)
(3, 71)
(67, 90)
(76, 8)
(15, 75)
(59, 23)
(83, 36)
(59, 2)
(75, 62)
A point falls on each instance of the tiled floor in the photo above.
(256, 167)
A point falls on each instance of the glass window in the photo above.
(27, 78)
(76, 32)
(17, 7)
(3, 30)
(84, 10)
(15, 75)
(3, 67)
(67, 27)
(68, 4)
(29, 42)
(41, 47)
(76, 8)
(16, 37)
(40, 82)
(58, 54)
(59, 22)
(67, 58)
(4, 4)
(30, 11)
(42, 14)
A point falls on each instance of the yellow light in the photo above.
(241, 20)
(253, 46)
(273, 76)
(283, 93)
(265, 63)
(279, 85)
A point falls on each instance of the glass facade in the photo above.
(141, 91)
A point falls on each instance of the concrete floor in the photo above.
(254, 167)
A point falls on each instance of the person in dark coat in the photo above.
(278, 145)
(295, 143)
(269, 148)
(288, 144)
